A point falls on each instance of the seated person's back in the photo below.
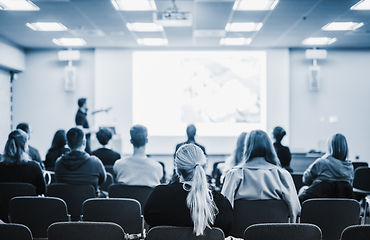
(77, 166)
(138, 169)
(17, 166)
(58, 148)
(106, 155)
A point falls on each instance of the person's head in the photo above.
(189, 164)
(16, 147)
(76, 139)
(191, 131)
(82, 103)
(59, 140)
(338, 147)
(25, 127)
(240, 148)
(258, 144)
(103, 136)
(139, 135)
(278, 133)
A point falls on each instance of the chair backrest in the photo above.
(183, 233)
(297, 179)
(140, 193)
(359, 164)
(10, 190)
(108, 181)
(248, 212)
(123, 211)
(37, 213)
(13, 231)
(85, 231)
(356, 232)
(361, 180)
(73, 195)
(332, 215)
(282, 231)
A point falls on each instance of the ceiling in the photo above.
(101, 26)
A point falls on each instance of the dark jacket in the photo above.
(166, 205)
(80, 168)
(107, 156)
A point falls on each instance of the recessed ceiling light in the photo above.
(235, 41)
(243, 27)
(134, 5)
(47, 26)
(19, 5)
(152, 41)
(144, 27)
(69, 41)
(318, 41)
(342, 26)
(255, 5)
(361, 5)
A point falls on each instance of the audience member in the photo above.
(33, 152)
(191, 131)
(57, 149)
(17, 166)
(81, 120)
(189, 202)
(77, 166)
(283, 152)
(106, 155)
(138, 169)
(331, 175)
(259, 176)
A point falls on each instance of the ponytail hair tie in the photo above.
(196, 165)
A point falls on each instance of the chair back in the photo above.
(85, 231)
(297, 179)
(248, 212)
(10, 190)
(361, 181)
(123, 211)
(183, 233)
(73, 195)
(108, 181)
(332, 215)
(359, 164)
(37, 213)
(140, 193)
(356, 232)
(13, 231)
(282, 231)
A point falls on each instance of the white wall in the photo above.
(5, 107)
(113, 87)
(344, 94)
(39, 97)
(12, 57)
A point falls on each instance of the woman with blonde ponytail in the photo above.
(17, 166)
(189, 202)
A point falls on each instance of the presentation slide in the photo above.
(221, 92)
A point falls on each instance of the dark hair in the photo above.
(15, 148)
(258, 144)
(103, 136)
(139, 135)
(338, 147)
(191, 131)
(81, 102)
(238, 155)
(75, 138)
(59, 140)
(24, 126)
(278, 133)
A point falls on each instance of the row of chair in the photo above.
(112, 231)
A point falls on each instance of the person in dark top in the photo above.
(106, 155)
(81, 120)
(77, 166)
(283, 152)
(190, 132)
(32, 152)
(17, 166)
(58, 148)
(189, 202)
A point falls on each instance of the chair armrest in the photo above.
(69, 217)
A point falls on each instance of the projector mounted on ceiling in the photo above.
(172, 17)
